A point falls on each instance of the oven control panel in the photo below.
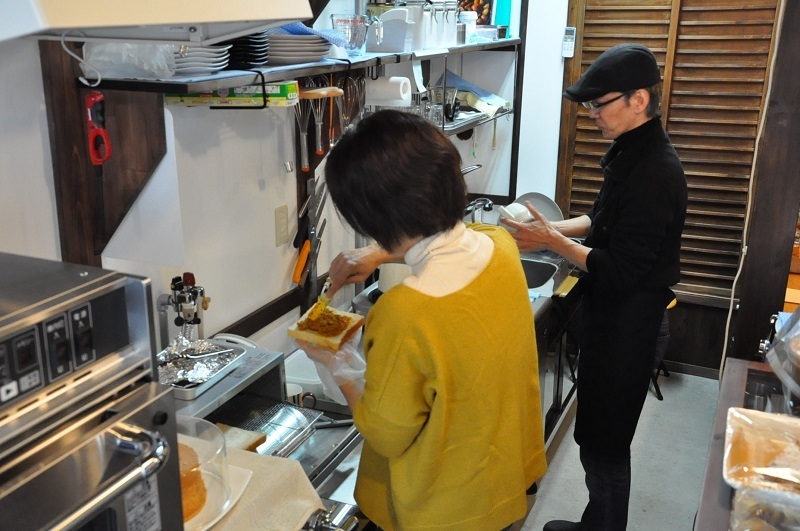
(60, 345)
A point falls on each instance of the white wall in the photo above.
(541, 98)
(28, 222)
(209, 207)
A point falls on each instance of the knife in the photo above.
(321, 202)
(302, 224)
(312, 258)
(302, 262)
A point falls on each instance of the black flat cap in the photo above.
(620, 68)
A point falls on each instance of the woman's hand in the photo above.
(355, 265)
(316, 353)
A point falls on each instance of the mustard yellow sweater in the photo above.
(451, 412)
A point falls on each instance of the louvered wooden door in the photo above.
(714, 56)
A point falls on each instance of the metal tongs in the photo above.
(191, 353)
(322, 301)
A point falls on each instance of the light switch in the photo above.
(281, 225)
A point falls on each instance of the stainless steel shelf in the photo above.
(471, 124)
(237, 78)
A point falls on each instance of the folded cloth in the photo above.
(476, 97)
(298, 28)
(279, 496)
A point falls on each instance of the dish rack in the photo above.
(286, 425)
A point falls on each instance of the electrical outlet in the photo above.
(281, 225)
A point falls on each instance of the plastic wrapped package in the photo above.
(784, 358)
(129, 60)
(762, 462)
(751, 513)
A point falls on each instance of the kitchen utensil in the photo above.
(191, 353)
(469, 169)
(318, 97)
(516, 212)
(303, 218)
(354, 29)
(447, 98)
(322, 301)
(361, 85)
(302, 228)
(302, 113)
(325, 422)
(302, 259)
(349, 103)
(312, 258)
(323, 196)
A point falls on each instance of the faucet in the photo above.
(476, 206)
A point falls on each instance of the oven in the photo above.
(87, 435)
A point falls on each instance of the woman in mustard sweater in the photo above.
(449, 405)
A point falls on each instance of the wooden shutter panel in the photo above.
(715, 56)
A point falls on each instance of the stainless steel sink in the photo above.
(538, 273)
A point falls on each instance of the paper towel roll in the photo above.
(390, 91)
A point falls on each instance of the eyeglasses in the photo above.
(596, 106)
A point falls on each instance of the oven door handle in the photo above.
(151, 451)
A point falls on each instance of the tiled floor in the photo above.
(668, 462)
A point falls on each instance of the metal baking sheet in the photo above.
(189, 390)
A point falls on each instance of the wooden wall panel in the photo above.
(135, 125)
(715, 56)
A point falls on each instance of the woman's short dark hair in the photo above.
(395, 175)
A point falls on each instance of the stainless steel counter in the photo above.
(746, 384)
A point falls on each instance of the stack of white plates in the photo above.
(249, 52)
(295, 49)
(200, 60)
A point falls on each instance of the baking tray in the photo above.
(191, 390)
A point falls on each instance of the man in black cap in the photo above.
(630, 258)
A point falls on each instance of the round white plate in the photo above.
(300, 45)
(543, 204)
(292, 49)
(198, 71)
(221, 54)
(298, 54)
(212, 49)
(201, 64)
(200, 61)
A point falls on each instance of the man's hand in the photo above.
(534, 235)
